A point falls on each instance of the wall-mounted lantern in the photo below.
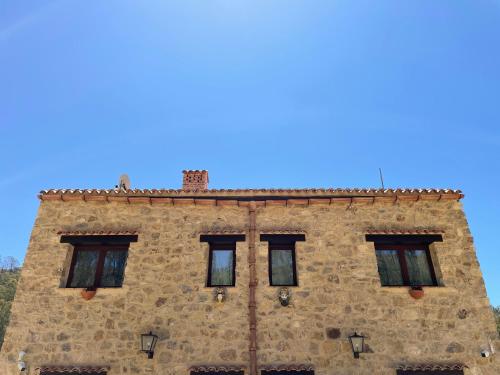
(357, 344)
(284, 296)
(148, 343)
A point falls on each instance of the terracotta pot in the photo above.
(88, 294)
(416, 293)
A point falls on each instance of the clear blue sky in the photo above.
(262, 93)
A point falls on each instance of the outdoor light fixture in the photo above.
(148, 343)
(357, 343)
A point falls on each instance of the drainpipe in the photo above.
(252, 306)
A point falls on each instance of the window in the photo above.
(97, 261)
(97, 266)
(282, 270)
(282, 264)
(405, 265)
(221, 259)
(222, 264)
(405, 259)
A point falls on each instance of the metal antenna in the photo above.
(381, 177)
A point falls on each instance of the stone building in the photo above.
(265, 281)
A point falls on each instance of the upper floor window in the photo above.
(282, 262)
(97, 261)
(282, 268)
(97, 266)
(404, 261)
(221, 259)
(222, 265)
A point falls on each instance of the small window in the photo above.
(222, 264)
(282, 264)
(221, 258)
(282, 269)
(409, 264)
(97, 266)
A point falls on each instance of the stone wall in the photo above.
(164, 291)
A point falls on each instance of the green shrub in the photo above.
(8, 283)
(496, 310)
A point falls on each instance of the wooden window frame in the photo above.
(282, 246)
(103, 250)
(401, 248)
(221, 246)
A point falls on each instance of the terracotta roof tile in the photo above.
(263, 190)
(216, 368)
(98, 233)
(288, 368)
(268, 194)
(282, 231)
(224, 232)
(73, 369)
(404, 231)
(432, 367)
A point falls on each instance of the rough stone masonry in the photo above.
(164, 289)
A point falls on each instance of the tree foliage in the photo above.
(9, 275)
(496, 310)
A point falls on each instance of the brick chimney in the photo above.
(195, 180)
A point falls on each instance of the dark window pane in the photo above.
(113, 269)
(282, 267)
(389, 267)
(84, 269)
(418, 267)
(222, 268)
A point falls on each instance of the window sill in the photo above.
(220, 286)
(429, 290)
(283, 286)
(115, 291)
